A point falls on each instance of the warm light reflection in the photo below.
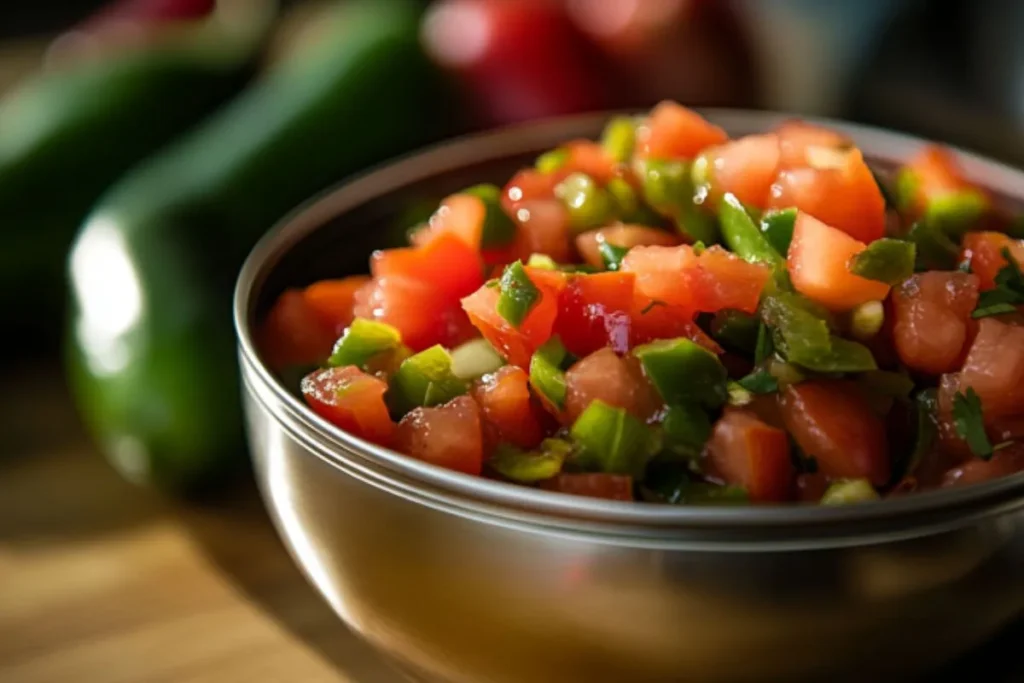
(108, 294)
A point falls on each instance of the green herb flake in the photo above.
(612, 255)
(547, 374)
(651, 306)
(886, 260)
(1008, 292)
(759, 382)
(518, 294)
(969, 422)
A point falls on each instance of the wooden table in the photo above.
(101, 582)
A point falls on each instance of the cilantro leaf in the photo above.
(759, 382)
(969, 423)
(1008, 292)
(612, 255)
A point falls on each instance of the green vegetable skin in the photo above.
(886, 260)
(363, 340)
(777, 226)
(152, 354)
(684, 372)
(426, 379)
(68, 133)
(742, 236)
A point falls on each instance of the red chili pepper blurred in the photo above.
(516, 60)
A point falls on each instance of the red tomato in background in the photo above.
(746, 167)
(293, 333)
(516, 60)
(588, 244)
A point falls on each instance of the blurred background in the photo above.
(194, 125)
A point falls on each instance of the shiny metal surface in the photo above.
(465, 580)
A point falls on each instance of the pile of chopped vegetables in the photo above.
(671, 316)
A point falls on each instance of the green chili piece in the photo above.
(546, 371)
(957, 212)
(804, 338)
(669, 190)
(542, 261)
(589, 206)
(742, 236)
(777, 227)
(618, 138)
(612, 255)
(736, 330)
(686, 428)
(426, 379)
(684, 372)
(362, 340)
(552, 160)
(498, 229)
(528, 467)
(886, 260)
(518, 294)
(849, 491)
(612, 441)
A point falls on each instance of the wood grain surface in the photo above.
(101, 582)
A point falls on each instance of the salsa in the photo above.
(672, 316)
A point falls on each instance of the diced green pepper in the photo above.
(804, 338)
(618, 138)
(624, 200)
(760, 381)
(589, 206)
(542, 261)
(498, 229)
(886, 260)
(518, 294)
(686, 428)
(867, 319)
(426, 379)
(935, 249)
(777, 227)
(552, 160)
(957, 212)
(475, 358)
(849, 491)
(362, 340)
(736, 330)
(669, 190)
(528, 467)
(612, 441)
(906, 190)
(742, 236)
(684, 372)
(546, 371)
(612, 255)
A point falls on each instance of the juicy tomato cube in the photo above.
(451, 267)
(839, 190)
(744, 451)
(819, 266)
(449, 436)
(508, 411)
(588, 244)
(833, 423)
(333, 300)
(543, 228)
(352, 400)
(619, 382)
(461, 215)
(515, 344)
(933, 322)
(416, 311)
(607, 486)
(293, 333)
(586, 156)
(594, 311)
(727, 281)
(746, 167)
(674, 132)
(665, 274)
(529, 185)
(802, 143)
(653, 320)
(984, 251)
(994, 368)
(1003, 463)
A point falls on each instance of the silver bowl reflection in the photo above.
(467, 580)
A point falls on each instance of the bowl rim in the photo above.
(337, 447)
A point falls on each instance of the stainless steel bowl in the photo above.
(472, 581)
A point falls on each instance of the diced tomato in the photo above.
(653, 320)
(550, 280)
(461, 215)
(619, 382)
(674, 132)
(800, 143)
(665, 274)
(450, 266)
(933, 322)
(516, 345)
(819, 266)
(588, 244)
(839, 191)
(811, 487)
(528, 185)
(607, 486)
(449, 436)
(744, 451)
(950, 449)
(994, 368)
(984, 251)
(543, 229)
(727, 281)
(594, 312)
(416, 311)
(293, 333)
(504, 398)
(833, 423)
(333, 300)
(586, 156)
(351, 399)
(936, 174)
(1003, 463)
(746, 167)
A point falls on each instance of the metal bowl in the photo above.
(467, 580)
